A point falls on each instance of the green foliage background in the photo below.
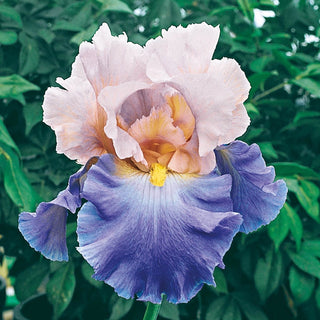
(273, 273)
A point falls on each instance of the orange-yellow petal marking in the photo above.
(158, 174)
(181, 114)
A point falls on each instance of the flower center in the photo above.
(158, 174)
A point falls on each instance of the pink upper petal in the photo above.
(111, 60)
(181, 50)
(215, 99)
(74, 113)
(111, 99)
(77, 119)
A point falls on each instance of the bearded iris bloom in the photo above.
(166, 184)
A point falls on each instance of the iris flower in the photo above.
(166, 184)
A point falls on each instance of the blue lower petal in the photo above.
(254, 193)
(45, 230)
(146, 240)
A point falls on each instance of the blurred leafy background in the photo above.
(273, 273)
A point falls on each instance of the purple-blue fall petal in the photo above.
(45, 230)
(145, 240)
(254, 193)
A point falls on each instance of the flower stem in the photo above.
(152, 311)
(267, 92)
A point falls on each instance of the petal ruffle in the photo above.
(181, 50)
(254, 194)
(45, 230)
(216, 100)
(145, 240)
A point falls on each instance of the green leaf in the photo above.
(295, 223)
(29, 280)
(279, 228)
(301, 115)
(5, 138)
(311, 247)
(268, 272)
(251, 109)
(284, 60)
(246, 9)
(114, 5)
(268, 150)
(120, 308)
(13, 86)
(60, 288)
(220, 280)
(308, 194)
(87, 273)
(29, 54)
(223, 9)
(15, 182)
(84, 35)
(317, 296)
(311, 85)
(306, 262)
(260, 63)
(257, 81)
(8, 37)
(252, 311)
(224, 308)
(301, 285)
(11, 13)
(169, 311)
(287, 169)
(32, 114)
(166, 11)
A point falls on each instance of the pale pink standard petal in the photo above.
(187, 159)
(110, 60)
(77, 119)
(215, 99)
(181, 50)
(111, 99)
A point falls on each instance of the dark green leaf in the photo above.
(169, 311)
(29, 54)
(311, 85)
(114, 5)
(5, 138)
(15, 182)
(8, 37)
(308, 194)
(11, 14)
(84, 35)
(295, 223)
(317, 296)
(301, 285)
(166, 11)
(120, 308)
(33, 114)
(287, 169)
(246, 9)
(217, 308)
(87, 272)
(306, 262)
(279, 228)
(29, 280)
(311, 247)
(60, 288)
(252, 311)
(268, 150)
(13, 86)
(220, 280)
(268, 272)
